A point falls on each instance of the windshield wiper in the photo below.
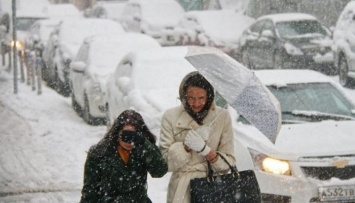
(318, 115)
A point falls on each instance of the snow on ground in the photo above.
(43, 146)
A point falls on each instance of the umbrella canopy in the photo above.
(239, 87)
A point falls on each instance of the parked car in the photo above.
(156, 18)
(107, 9)
(36, 41)
(95, 61)
(66, 10)
(344, 41)
(313, 159)
(215, 28)
(287, 40)
(27, 13)
(39, 33)
(64, 43)
(147, 81)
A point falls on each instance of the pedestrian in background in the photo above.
(116, 168)
(192, 134)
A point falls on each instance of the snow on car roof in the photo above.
(284, 77)
(350, 6)
(63, 10)
(226, 25)
(282, 17)
(114, 9)
(108, 49)
(168, 61)
(161, 12)
(74, 30)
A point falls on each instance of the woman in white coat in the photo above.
(192, 134)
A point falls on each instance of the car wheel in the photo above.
(75, 105)
(278, 61)
(86, 112)
(108, 120)
(57, 83)
(344, 79)
(44, 72)
(246, 60)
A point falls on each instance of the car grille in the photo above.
(326, 173)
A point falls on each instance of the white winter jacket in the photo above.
(185, 166)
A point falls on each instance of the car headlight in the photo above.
(268, 164)
(19, 44)
(292, 49)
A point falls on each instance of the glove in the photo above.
(195, 142)
(136, 138)
(204, 131)
(139, 139)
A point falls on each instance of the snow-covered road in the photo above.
(43, 147)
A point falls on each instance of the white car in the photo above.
(313, 159)
(95, 61)
(156, 18)
(64, 43)
(214, 28)
(60, 11)
(147, 81)
(343, 46)
(27, 13)
(39, 32)
(106, 9)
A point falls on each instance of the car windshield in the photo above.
(24, 24)
(323, 98)
(292, 29)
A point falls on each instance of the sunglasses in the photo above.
(128, 136)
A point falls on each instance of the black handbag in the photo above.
(237, 186)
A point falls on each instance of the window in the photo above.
(320, 97)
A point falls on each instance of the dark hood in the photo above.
(195, 79)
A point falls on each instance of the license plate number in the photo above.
(345, 192)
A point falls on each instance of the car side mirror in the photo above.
(3, 29)
(124, 84)
(136, 17)
(78, 66)
(267, 34)
(198, 29)
(55, 40)
(35, 38)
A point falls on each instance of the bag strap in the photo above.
(210, 171)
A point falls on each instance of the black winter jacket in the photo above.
(108, 179)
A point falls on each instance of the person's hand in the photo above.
(204, 131)
(195, 142)
(138, 139)
(132, 137)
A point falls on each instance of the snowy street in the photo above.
(42, 146)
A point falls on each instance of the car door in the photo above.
(131, 20)
(251, 46)
(266, 44)
(192, 29)
(122, 87)
(78, 78)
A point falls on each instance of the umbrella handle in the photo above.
(209, 125)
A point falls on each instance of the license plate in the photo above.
(331, 193)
